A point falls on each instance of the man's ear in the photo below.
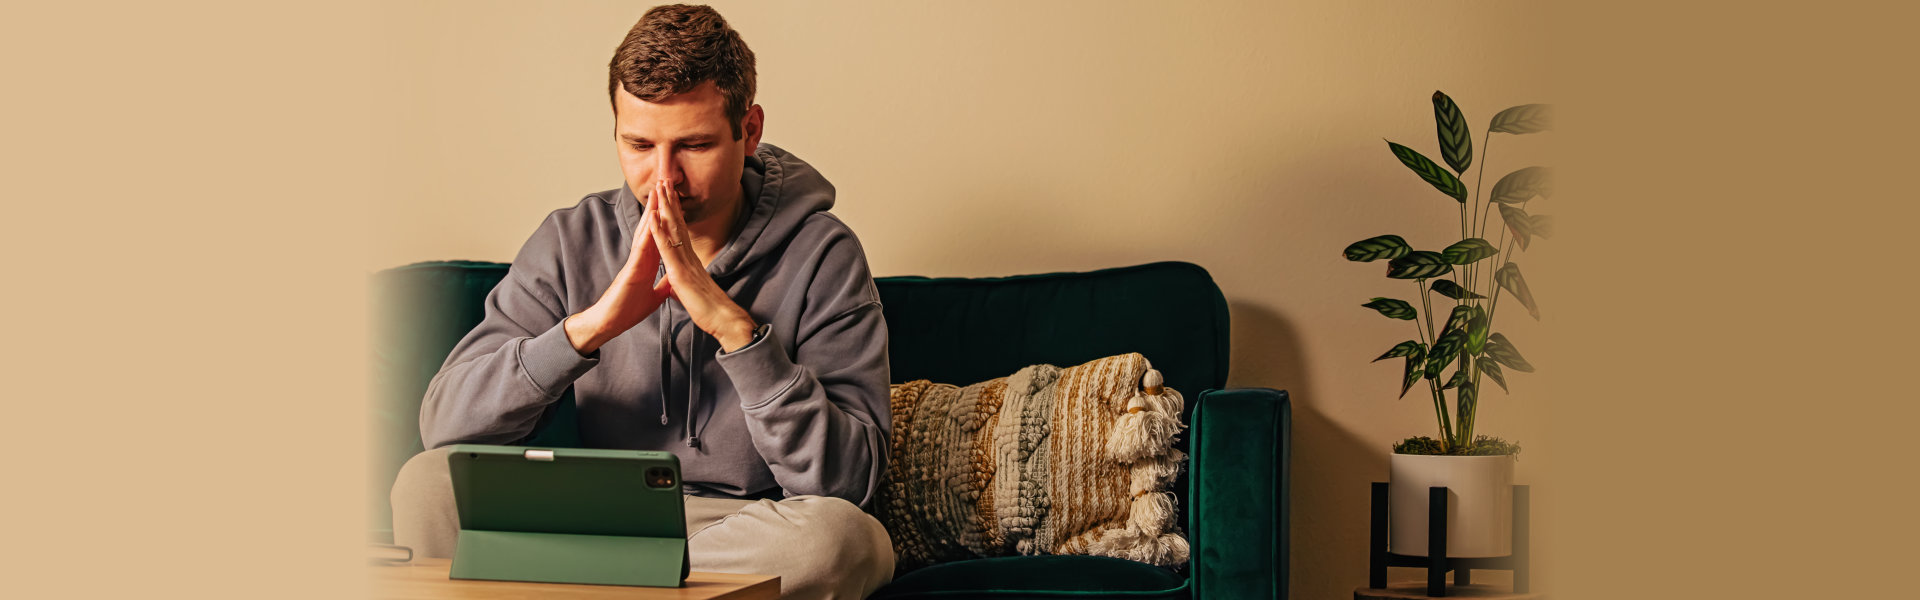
(751, 127)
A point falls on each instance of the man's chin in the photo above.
(692, 212)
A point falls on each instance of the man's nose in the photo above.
(667, 169)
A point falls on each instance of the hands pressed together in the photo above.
(663, 238)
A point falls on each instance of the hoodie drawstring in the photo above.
(687, 433)
(666, 359)
(693, 393)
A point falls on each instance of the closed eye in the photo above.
(691, 147)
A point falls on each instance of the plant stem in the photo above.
(1428, 305)
(1480, 179)
(1486, 141)
(1493, 308)
(1439, 401)
(1463, 409)
(1462, 274)
(1439, 396)
(1422, 331)
(1506, 232)
(1487, 208)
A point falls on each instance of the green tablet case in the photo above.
(567, 515)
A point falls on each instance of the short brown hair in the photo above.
(677, 47)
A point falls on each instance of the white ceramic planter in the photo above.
(1479, 504)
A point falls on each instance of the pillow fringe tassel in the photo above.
(1142, 439)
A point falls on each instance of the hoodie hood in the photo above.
(778, 193)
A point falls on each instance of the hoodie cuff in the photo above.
(761, 371)
(550, 361)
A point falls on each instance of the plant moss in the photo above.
(1483, 446)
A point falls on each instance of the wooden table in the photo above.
(1417, 590)
(427, 579)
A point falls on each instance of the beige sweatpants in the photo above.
(821, 547)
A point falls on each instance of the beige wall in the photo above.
(1013, 137)
(1726, 358)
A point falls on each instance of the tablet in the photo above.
(568, 515)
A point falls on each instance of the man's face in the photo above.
(686, 140)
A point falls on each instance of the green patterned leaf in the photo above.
(1477, 326)
(1412, 373)
(1419, 264)
(1458, 318)
(1525, 118)
(1519, 223)
(1468, 250)
(1406, 348)
(1472, 320)
(1542, 226)
(1492, 370)
(1459, 376)
(1435, 175)
(1503, 351)
(1456, 145)
(1376, 248)
(1444, 350)
(1468, 396)
(1397, 309)
(1446, 287)
(1509, 279)
(1522, 185)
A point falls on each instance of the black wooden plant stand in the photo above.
(1436, 561)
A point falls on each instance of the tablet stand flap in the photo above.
(569, 558)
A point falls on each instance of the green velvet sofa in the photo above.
(1233, 497)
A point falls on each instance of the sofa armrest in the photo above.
(1238, 484)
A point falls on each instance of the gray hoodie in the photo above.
(802, 410)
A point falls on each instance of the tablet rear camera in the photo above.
(659, 477)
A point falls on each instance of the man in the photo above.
(711, 307)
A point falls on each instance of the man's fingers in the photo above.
(652, 212)
(643, 239)
(660, 206)
(649, 254)
(661, 243)
(670, 217)
(663, 207)
(674, 225)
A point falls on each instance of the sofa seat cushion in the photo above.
(1037, 577)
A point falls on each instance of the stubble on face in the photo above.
(712, 172)
(695, 210)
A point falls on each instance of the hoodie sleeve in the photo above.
(515, 363)
(819, 413)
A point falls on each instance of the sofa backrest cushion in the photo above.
(967, 330)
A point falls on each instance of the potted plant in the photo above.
(1474, 273)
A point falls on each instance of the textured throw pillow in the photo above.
(1045, 461)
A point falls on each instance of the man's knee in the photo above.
(849, 525)
(423, 510)
(425, 476)
(853, 541)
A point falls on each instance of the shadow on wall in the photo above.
(1331, 466)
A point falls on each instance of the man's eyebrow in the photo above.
(691, 139)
